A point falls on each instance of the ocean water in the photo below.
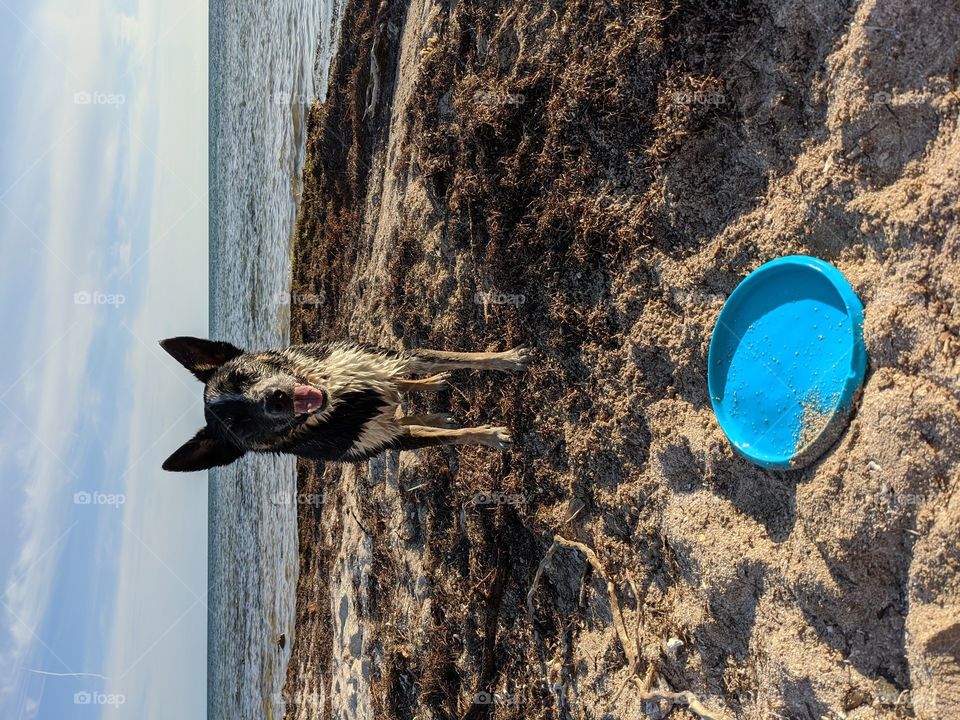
(269, 59)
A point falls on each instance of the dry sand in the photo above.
(612, 171)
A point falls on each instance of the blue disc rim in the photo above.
(854, 374)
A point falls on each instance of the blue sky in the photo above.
(103, 221)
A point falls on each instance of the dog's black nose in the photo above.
(278, 401)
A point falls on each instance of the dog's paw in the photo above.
(497, 437)
(440, 381)
(516, 359)
(445, 421)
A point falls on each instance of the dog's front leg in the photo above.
(433, 420)
(434, 383)
(419, 436)
(430, 360)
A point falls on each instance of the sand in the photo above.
(593, 179)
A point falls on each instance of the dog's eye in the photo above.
(241, 424)
(238, 379)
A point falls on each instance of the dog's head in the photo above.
(252, 401)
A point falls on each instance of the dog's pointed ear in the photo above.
(201, 357)
(201, 452)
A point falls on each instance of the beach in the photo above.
(263, 62)
(592, 180)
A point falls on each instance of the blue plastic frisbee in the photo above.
(786, 360)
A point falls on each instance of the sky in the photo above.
(103, 224)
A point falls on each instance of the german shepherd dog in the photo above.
(336, 402)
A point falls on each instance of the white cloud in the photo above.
(168, 512)
(47, 419)
(68, 199)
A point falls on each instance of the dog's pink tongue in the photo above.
(306, 399)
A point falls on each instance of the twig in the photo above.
(628, 648)
(373, 91)
(636, 597)
(362, 526)
(582, 592)
(631, 650)
(619, 692)
(457, 390)
(686, 698)
(530, 616)
(648, 678)
(645, 684)
(536, 580)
